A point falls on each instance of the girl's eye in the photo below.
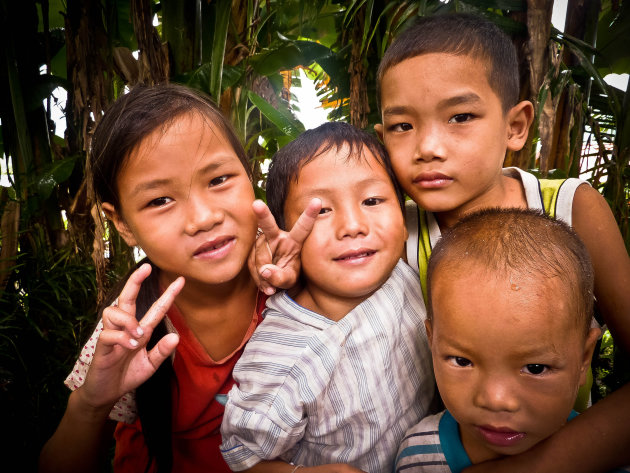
(460, 361)
(159, 202)
(461, 118)
(535, 369)
(370, 201)
(218, 181)
(325, 210)
(401, 127)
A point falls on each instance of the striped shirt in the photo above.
(314, 391)
(434, 446)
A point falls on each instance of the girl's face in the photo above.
(186, 200)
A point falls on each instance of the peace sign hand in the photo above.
(277, 252)
(121, 360)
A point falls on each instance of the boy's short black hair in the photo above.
(460, 34)
(524, 241)
(288, 161)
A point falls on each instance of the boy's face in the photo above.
(508, 357)
(445, 131)
(358, 236)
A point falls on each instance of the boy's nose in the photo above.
(351, 222)
(496, 393)
(430, 144)
(201, 215)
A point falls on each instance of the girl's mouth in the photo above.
(214, 249)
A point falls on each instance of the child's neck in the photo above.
(219, 315)
(507, 193)
(331, 307)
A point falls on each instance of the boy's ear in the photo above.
(589, 346)
(519, 119)
(115, 217)
(429, 329)
(378, 128)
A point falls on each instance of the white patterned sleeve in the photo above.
(125, 409)
(264, 420)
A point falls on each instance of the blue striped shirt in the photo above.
(314, 391)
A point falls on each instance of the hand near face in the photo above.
(276, 259)
(121, 360)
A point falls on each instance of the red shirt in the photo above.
(198, 394)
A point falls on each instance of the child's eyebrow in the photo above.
(328, 191)
(149, 185)
(156, 183)
(213, 165)
(396, 110)
(467, 98)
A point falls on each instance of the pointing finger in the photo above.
(127, 297)
(162, 305)
(302, 228)
(266, 222)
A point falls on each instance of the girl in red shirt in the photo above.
(170, 174)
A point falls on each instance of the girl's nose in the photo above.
(201, 215)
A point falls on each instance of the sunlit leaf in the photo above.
(55, 174)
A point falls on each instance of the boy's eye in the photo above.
(325, 210)
(218, 181)
(535, 368)
(461, 118)
(460, 361)
(401, 127)
(159, 202)
(370, 201)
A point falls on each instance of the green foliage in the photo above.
(46, 313)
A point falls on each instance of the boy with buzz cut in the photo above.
(340, 367)
(509, 324)
(449, 88)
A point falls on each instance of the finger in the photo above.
(305, 222)
(264, 285)
(115, 318)
(163, 349)
(262, 252)
(266, 222)
(251, 265)
(127, 298)
(162, 305)
(109, 338)
(276, 276)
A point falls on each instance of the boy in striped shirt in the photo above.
(339, 368)
(510, 303)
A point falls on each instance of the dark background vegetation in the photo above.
(56, 255)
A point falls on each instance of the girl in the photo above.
(171, 175)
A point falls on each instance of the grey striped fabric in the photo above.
(313, 391)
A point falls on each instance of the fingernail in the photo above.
(270, 291)
(266, 273)
(139, 331)
(133, 342)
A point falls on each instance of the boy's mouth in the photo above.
(500, 436)
(354, 255)
(432, 180)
